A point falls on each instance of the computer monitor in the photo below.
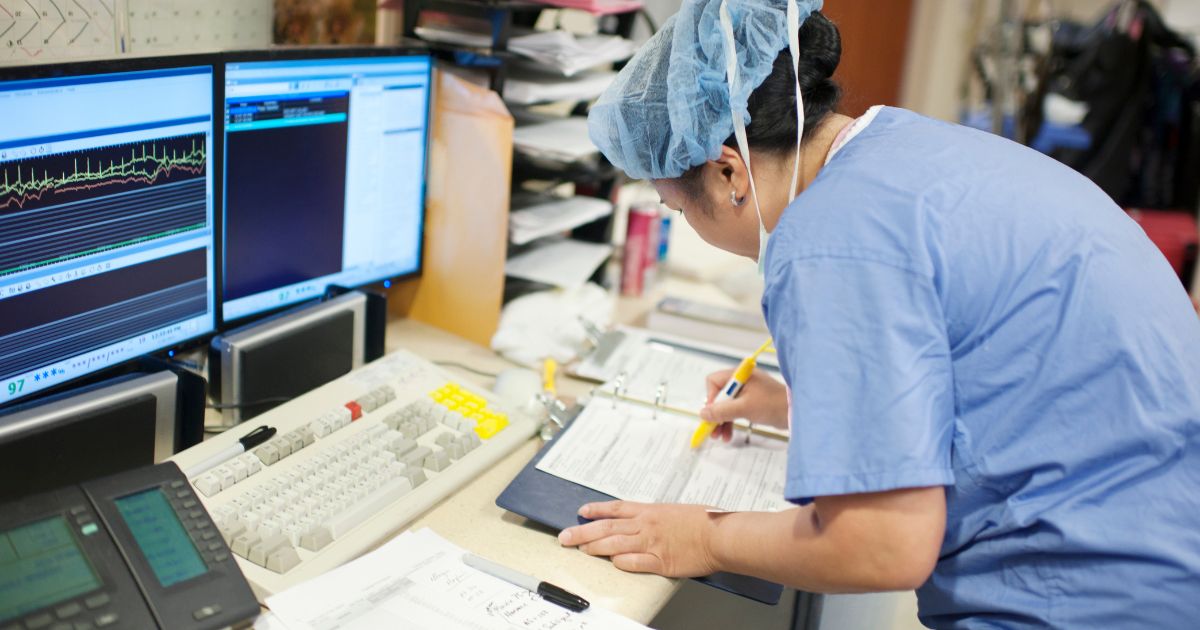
(324, 174)
(106, 215)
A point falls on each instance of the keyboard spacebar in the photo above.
(371, 505)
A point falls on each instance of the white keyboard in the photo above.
(351, 464)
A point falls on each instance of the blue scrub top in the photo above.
(951, 308)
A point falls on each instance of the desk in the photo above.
(471, 519)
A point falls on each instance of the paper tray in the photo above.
(555, 502)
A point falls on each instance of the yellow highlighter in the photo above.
(731, 390)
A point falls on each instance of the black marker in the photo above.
(548, 591)
(247, 442)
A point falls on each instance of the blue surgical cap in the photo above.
(671, 107)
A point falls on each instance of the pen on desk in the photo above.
(548, 591)
(245, 443)
(732, 388)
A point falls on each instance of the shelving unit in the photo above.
(503, 19)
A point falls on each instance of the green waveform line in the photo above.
(104, 248)
(145, 168)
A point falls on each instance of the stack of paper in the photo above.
(454, 36)
(530, 88)
(562, 52)
(418, 580)
(570, 54)
(559, 262)
(554, 216)
(563, 140)
(597, 7)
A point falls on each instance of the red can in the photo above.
(641, 249)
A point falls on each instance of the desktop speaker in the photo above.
(114, 425)
(257, 367)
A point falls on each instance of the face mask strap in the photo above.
(739, 123)
(793, 22)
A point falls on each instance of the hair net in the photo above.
(672, 106)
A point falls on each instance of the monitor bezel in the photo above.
(93, 67)
(307, 53)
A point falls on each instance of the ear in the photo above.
(731, 170)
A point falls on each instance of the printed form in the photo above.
(630, 452)
(418, 580)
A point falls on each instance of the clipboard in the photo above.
(554, 502)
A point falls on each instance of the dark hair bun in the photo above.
(820, 47)
(773, 105)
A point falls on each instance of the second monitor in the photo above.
(324, 176)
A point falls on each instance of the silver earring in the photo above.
(734, 200)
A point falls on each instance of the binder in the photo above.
(554, 502)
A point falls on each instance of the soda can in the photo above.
(641, 249)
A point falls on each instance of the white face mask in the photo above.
(739, 123)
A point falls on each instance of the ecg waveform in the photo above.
(42, 181)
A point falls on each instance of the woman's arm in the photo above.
(840, 544)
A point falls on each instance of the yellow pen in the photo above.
(731, 390)
(549, 367)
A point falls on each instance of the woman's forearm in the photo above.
(855, 544)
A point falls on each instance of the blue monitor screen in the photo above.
(324, 177)
(105, 221)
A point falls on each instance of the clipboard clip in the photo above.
(557, 416)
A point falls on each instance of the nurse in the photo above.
(991, 376)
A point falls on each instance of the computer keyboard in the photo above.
(351, 464)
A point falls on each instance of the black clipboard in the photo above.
(554, 502)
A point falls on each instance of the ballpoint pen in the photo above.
(732, 388)
(245, 443)
(548, 591)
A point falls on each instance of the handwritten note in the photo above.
(418, 580)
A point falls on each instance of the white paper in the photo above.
(533, 88)
(174, 26)
(418, 580)
(562, 263)
(569, 53)
(565, 139)
(630, 452)
(554, 216)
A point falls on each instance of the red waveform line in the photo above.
(24, 198)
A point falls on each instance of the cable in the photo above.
(252, 403)
(466, 367)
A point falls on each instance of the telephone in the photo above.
(132, 550)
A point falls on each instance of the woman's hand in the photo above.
(667, 539)
(763, 400)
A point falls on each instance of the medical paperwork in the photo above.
(636, 453)
(418, 580)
